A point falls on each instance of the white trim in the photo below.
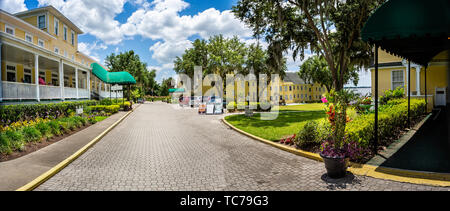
(55, 23)
(72, 37)
(10, 27)
(65, 33)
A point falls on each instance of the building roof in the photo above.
(293, 77)
(56, 12)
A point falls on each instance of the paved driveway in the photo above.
(162, 148)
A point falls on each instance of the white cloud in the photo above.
(13, 6)
(168, 51)
(89, 49)
(93, 17)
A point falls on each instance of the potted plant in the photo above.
(334, 151)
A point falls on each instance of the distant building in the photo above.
(40, 60)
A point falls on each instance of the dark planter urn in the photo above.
(336, 167)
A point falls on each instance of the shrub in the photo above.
(398, 93)
(16, 113)
(5, 144)
(31, 134)
(312, 134)
(392, 117)
(16, 140)
(107, 109)
(45, 129)
(55, 127)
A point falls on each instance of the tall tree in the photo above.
(329, 28)
(315, 70)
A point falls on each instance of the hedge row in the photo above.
(15, 113)
(392, 118)
(111, 109)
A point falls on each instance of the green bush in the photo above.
(389, 95)
(313, 133)
(45, 129)
(31, 134)
(5, 144)
(55, 127)
(16, 139)
(392, 117)
(15, 113)
(108, 109)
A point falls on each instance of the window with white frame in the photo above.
(397, 79)
(65, 33)
(28, 38)
(55, 81)
(41, 43)
(27, 75)
(10, 72)
(56, 50)
(56, 26)
(10, 30)
(73, 38)
(65, 53)
(73, 57)
(41, 21)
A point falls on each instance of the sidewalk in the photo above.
(18, 172)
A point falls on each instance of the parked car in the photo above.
(141, 101)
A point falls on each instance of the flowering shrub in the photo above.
(15, 113)
(351, 150)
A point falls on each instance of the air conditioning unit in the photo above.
(441, 97)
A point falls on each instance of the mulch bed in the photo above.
(35, 146)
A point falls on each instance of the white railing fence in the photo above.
(19, 91)
(49, 92)
(70, 93)
(83, 93)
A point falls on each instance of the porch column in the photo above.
(36, 76)
(88, 83)
(418, 80)
(1, 83)
(61, 78)
(76, 80)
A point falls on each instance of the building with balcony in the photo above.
(40, 60)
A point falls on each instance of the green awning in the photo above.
(416, 30)
(121, 78)
(176, 90)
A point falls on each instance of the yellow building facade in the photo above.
(40, 58)
(393, 73)
(291, 90)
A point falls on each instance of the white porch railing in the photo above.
(83, 93)
(70, 93)
(49, 92)
(18, 91)
(24, 91)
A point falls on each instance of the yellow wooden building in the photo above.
(393, 73)
(40, 59)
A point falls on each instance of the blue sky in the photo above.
(157, 30)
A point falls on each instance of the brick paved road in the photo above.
(160, 148)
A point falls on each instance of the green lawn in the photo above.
(100, 118)
(304, 107)
(286, 123)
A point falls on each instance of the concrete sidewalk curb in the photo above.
(50, 173)
(399, 175)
